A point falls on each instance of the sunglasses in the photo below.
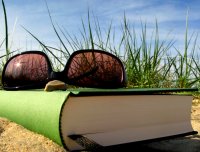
(84, 68)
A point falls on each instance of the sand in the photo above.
(15, 138)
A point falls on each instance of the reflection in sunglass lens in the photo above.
(95, 69)
(26, 69)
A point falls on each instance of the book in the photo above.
(95, 118)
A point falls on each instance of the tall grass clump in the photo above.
(6, 29)
(185, 64)
(4, 41)
(144, 59)
(148, 61)
(196, 69)
(4, 44)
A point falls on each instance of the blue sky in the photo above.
(33, 15)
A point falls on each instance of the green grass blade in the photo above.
(90, 31)
(55, 28)
(6, 29)
(44, 46)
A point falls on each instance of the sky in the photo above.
(33, 15)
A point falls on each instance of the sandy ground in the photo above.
(15, 138)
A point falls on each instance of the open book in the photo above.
(85, 118)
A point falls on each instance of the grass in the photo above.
(5, 40)
(148, 63)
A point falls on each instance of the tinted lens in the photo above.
(95, 69)
(26, 70)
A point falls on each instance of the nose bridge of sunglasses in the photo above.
(57, 76)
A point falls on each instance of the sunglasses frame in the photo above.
(124, 82)
(35, 86)
(59, 75)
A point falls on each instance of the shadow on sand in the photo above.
(181, 144)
